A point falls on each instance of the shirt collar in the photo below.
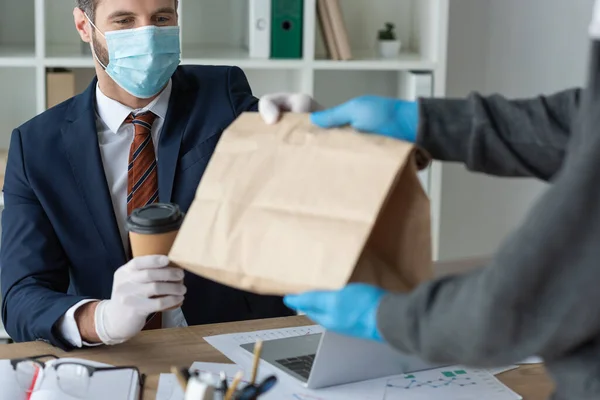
(113, 113)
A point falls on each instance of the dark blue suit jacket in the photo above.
(60, 240)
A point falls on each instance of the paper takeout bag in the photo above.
(291, 207)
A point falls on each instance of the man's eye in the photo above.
(163, 19)
(123, 21)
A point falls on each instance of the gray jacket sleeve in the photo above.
(540, 294)
(496, 136)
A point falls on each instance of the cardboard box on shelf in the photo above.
(291, 207)
(3, 160)
(60, 86)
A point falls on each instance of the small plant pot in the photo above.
(389, 48)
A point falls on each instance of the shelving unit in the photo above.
(39, 34)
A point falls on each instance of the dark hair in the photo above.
(88, 7)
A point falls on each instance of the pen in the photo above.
(257, 351)
(223, 385)
(199, 390)
(180, 378)
(253, 392)
(185, 373)
(221, 389)
(233, 387)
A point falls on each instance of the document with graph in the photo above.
(449, 383)
(452, 383)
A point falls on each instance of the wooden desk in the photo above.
(155, 351)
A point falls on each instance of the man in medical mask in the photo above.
(143, 131)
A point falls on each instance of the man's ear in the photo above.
(82, 25)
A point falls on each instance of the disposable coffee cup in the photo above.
(152, 229)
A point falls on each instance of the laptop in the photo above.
(328, 359)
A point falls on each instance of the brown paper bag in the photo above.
(291, 207)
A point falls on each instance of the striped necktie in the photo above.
(142, 175)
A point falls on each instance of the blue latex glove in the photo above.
(395, 118)
(351, 311)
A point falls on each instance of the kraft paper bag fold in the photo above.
(291, 207)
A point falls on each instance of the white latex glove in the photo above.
(136, 289)
(271, 106)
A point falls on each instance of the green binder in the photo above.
(286, 28)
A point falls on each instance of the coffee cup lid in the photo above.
(155, 218)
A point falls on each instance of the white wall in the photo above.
(518, 48)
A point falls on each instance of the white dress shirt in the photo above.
(115, 138)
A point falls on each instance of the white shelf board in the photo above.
(69, 62)
(368, 60)
(363, 60)
(248, 63)
(7, 50)
(233, 56)
(67, 55)
(17, 62)
(17, 56)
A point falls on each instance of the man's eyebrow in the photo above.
(121, 14)
(118, 14)
(165, 10)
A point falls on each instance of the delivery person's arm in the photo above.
(538, 296)
(501, 137)
(491, 134)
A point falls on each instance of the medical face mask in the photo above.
(141, 60)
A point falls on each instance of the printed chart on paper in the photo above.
(451, 383)
(447, 383)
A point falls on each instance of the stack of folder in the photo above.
(334, 30)
(276, 29)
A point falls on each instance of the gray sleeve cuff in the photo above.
(444, 127)
(392, 323)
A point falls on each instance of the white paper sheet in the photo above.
(529, 360)
(10, 389)
(532, 360)
(169, 388)
(500, 370)
(114, 385)
(451, 383)
(229, 344)
(476, 384)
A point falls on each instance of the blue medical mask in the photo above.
(142, 60)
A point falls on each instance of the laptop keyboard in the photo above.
(300, 365)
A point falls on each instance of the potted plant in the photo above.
(387, 43)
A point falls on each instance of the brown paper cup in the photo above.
(147, 244)
(153, 229)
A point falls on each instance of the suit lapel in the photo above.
(178, 116)
(81, 143)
